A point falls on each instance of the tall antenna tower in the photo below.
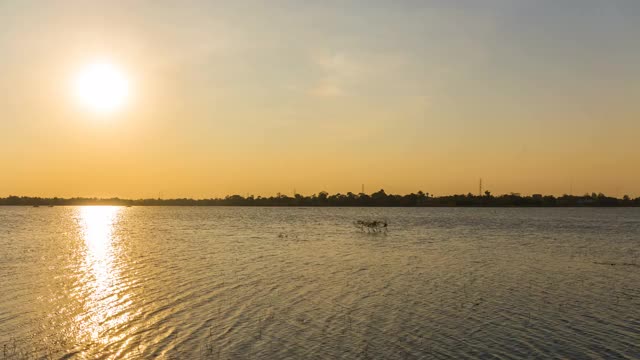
(480, 188)
(362, 192)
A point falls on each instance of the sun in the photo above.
(102, 87)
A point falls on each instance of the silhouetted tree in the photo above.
(379, 198)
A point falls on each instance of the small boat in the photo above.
(36, 205)
(50, 205)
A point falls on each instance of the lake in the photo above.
(305, 283)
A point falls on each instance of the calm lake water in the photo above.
(304, 283)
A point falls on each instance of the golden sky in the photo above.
(247, 97)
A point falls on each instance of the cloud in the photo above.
(328, 89)
(361, 73)
(339, 74)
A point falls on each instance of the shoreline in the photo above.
(324, 199)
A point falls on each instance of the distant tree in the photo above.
(379, 195)
(379, 198)
(322, 198)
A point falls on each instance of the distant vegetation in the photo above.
(380, 198)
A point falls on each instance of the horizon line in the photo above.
(322, 195)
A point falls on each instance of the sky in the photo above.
(256, 97)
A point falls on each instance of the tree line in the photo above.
(379, 198)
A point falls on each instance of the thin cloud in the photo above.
(338, 75)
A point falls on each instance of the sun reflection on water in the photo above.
(101, 286)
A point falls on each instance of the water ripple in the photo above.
(218, 283)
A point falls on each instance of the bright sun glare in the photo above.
(102, 87)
